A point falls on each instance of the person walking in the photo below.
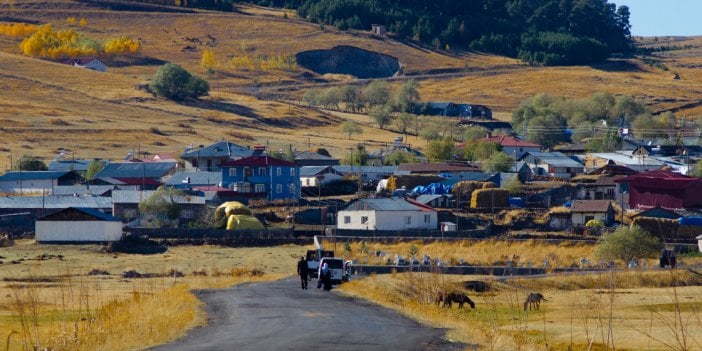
(303, 271)
(325, 278)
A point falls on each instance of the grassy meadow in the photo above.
(48, 105)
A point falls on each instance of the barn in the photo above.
(663, 189)
(77, 224)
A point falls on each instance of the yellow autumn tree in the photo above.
(122, 45)
(83, 22)
(71, 20)
(391, 184)
(17, 29)
(208, 60)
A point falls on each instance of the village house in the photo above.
(262, 177)
(62, 165)
(437, 168)
(125, 205)
(450, 109)
(378, 157)
(387, 214)
(313, 176)
(194, 180)
(309, 158)
(553, 164)
(22, 211)
(148, 175)
(209, 158)
(379, 29)
(36, 182)
(516, 148)
(435, 201)
(76, 224)
(91, 63)
(665, 189)
(601, 183)
(639, 163)
(366, 173)
(583, 211)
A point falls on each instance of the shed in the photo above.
(77, 224)
(583, 211)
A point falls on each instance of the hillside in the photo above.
(48, 105)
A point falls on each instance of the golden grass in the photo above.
(477, 252)
(54, 303)
(642, 316)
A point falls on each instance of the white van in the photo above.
(336, 266)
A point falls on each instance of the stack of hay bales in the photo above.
(465, 189)
(237, 216)
(490, 198)
(666, 228)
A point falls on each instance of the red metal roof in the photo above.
(509, 141)
(257, 161)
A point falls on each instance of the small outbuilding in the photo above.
(583, 211)
(76, 224)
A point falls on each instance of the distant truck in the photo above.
(313, 258)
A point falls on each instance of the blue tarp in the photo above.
(517, 202)
(432, 189)
(690, 221)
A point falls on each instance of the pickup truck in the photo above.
(313, 257)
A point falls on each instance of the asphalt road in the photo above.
(281, 316)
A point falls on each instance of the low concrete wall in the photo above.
(464, 270)
(192, 233)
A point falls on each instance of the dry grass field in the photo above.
(46, 106)
(48, 296)
(623, 311)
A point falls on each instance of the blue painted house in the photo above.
(262, 177)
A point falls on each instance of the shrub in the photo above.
(628, 244)
(174, 82)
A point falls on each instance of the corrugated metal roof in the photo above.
(69, 165)
(219, 149)
(136, 196)
(555, 159)
(89, 211)
(383, 204)
(68, 190)
(196, 178)
(596, 206)
(425, 199)
(258, 161)
(56, 202)
(365, 169)
(310, 171)
(309, 155)
(32, 175)
(627, 159)
(136, 170)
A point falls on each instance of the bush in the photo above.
(628, 244)
(174, 82)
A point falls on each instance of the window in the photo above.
(232, 172)
(427, 218)
(292, 172)
(307, 181)
(347, 219)
(260, 188)
(279, 188)
(364, 219)
(187, 214)
(408, 220)
(261, 171)
(279, 172)
(130, 213)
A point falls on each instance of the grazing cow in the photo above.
(449, 298)
(533, 300)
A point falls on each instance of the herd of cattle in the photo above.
(533, 300)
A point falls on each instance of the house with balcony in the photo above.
(209, 158)
(262, 177)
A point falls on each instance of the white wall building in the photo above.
(78, 225)
(387, 214)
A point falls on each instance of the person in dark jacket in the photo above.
(303, 272)
(325, 277)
